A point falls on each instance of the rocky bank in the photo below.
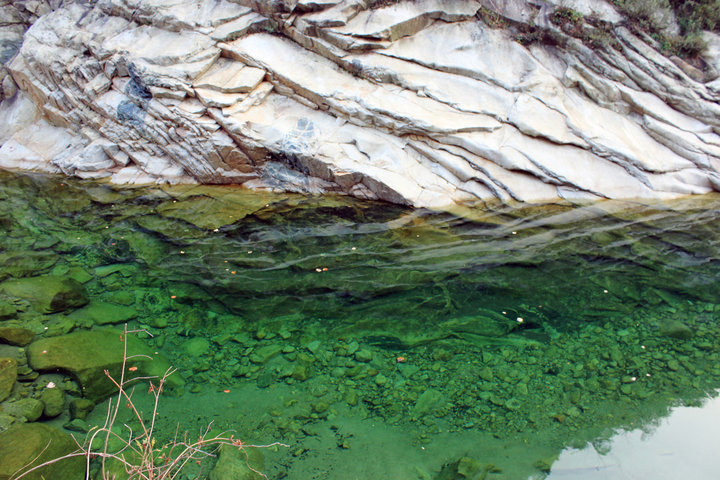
(426, 103)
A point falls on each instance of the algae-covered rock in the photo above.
(16, 336)
(48, 293)
(87, 354)
(676, 329)
(196, 347)
(8, 375)
(103, 313)
(486, 323)
(426, 402)
(80, 408)
(53, 400)
(7, 310)
(464, 468)
(237, 464)
(21, 264)
(30, 444)
(29, 408)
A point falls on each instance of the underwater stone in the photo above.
(81, 408)
(22, 264)
(464, 468)
(48, 293)
(426, 402)
(77, 425)
(8, 375)
(486, 374)
(103, 313)
(265, 379)
(54, 401)
(32, 444)
(30, 408)
(264, 354)
(676, 329)
(320, 407)
(364, 355)
(238, 464)
(124, 297)
(16, 336)
(673, 365)
(314, 346)
(79, 275)
(196, 347)
(87, 354)
(300, 373)
(7, 310)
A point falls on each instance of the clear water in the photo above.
(383, 342)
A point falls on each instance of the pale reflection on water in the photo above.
(685, 445)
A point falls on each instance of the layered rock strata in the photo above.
(426, 103)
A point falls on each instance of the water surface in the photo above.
(382, 342)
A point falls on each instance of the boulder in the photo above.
(8, 375)
(47, 293)
(26, 445)
(87, 354)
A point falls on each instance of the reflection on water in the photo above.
(436, 344)
(681, 445)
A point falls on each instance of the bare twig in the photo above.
(146, 462)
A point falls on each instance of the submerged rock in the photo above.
(86, 355)
(16, 335)
(53, 400)
(80, 408)
(48, 293)
(235, 463)
(103, 313)
(7, 310)
(8, 375)
(30, 444)
(676, 329)
(29, 408)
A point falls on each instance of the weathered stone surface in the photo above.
(413, 102)
(38, 443)
(228, 76)
(47, 294)
(87, 354)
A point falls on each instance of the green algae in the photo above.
(552, 323)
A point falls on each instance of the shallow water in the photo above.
(383, 342)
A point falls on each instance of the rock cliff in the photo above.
(426, 103)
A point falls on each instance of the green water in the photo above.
(521, 331)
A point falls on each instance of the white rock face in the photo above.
(416, 102)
